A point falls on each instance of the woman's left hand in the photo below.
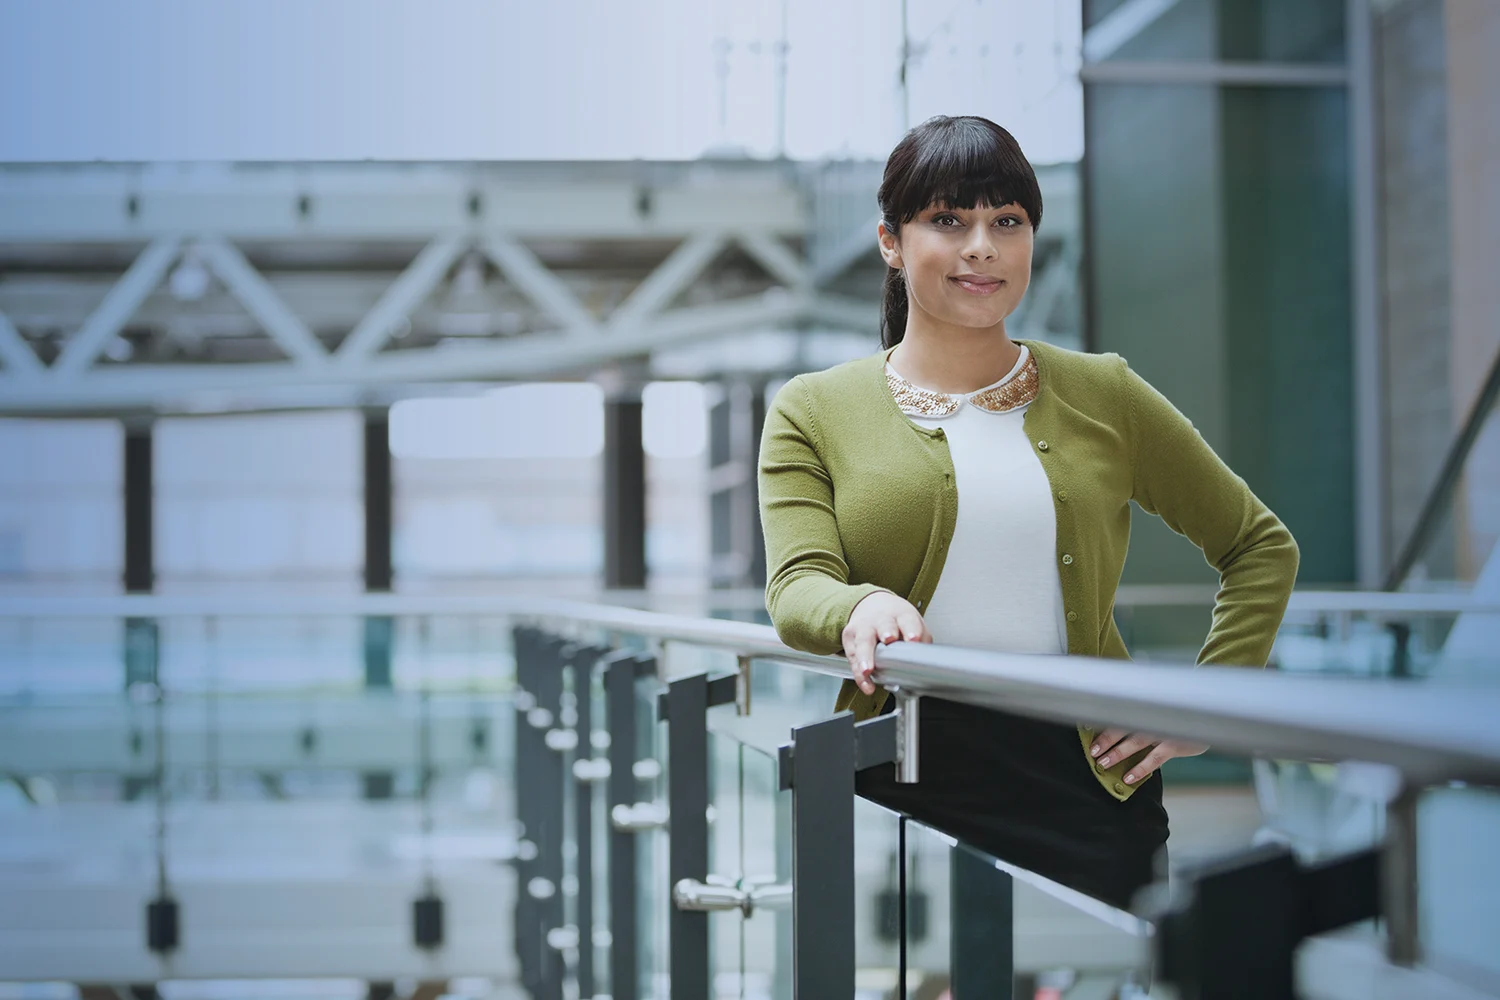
(1113, 745)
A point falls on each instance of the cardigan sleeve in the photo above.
(1178, 477)
(808, 593)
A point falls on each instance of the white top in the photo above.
(1000, 589)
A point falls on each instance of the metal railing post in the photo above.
(621, 671)
(528, 750)
(820, 772)
(1399, 889)
(581, 663)
(539, 807)
(687, 804)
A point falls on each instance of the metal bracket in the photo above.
(427, 921)
(1230, 927)
(163, 925)
(876, 742)
(908, 736)
(591, 770)
(742, 686)
(722, 690)
(640, 817)
(717, 894)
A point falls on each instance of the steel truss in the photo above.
(167, 288)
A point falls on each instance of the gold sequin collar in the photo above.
(1015, 390)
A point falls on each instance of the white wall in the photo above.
(475, 79)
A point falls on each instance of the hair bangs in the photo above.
(957, 163)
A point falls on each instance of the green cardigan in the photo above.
(855, 498)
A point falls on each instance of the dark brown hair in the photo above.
(957, 163)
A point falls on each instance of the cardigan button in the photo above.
(1072, 616)
(1067, 559)
(1041, 446)
(1062, 495)
(1119, 788)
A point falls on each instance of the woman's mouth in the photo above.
(977, 284)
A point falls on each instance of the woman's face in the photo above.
(964, 266)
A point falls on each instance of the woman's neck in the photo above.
(960, 359)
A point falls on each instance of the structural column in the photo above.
(737, 552)
(140, 561)
(624, 492)
(379, 630)
(141, 639)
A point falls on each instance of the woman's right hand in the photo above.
(879, 617)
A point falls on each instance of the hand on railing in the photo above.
(880, 617)
(1115, 744)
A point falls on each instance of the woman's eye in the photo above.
(1008, 221)
(946, 221)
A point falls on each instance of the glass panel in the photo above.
(1457, 868)
(929, 914)
(726, 859)
(877, 946)
(357, 799)
(960, 900)
(766, 944)
(1311, 31)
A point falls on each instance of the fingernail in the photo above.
(1104, 761)
(1130, 778)
(1094, 750)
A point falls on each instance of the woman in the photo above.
(964, 488)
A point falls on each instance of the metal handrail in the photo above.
(1303, 603)
(1429, 731)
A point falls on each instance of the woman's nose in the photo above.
(980, 246)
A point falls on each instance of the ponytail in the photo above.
(893, 308)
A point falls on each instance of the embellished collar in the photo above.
(1016, 389)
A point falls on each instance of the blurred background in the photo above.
(302, 302)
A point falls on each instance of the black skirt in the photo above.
(1022, 790)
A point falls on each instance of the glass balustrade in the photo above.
(476, 768)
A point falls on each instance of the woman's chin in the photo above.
(989, 319)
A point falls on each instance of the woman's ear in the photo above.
(890, 251)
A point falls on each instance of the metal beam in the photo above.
(776, 257)
(1224, 74)
(106, 322)
(18, 357)
(844, 312)
(200, 386)
(537, 283)
(374, 202)
(1371, 491)
(405, 294)
(854, 245)
(251, 290)
(669, 279)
